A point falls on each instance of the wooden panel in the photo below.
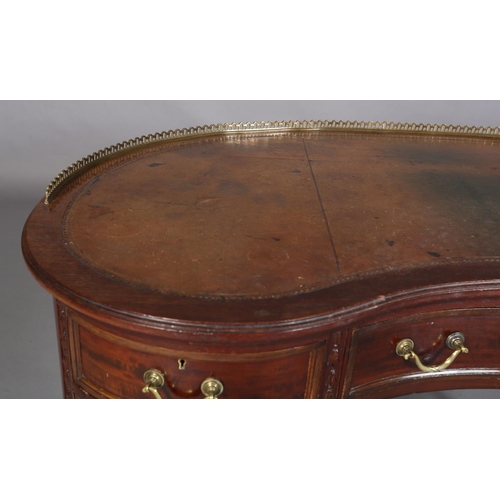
(106, 365)
(374, 366)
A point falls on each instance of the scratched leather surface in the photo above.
(285, 213)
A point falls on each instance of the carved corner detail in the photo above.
(332, 367)
(65, 358)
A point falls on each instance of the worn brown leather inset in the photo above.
(285, 213)
(401, 200)
(224, 218)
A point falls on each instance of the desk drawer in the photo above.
(106, 365)
(374, 369)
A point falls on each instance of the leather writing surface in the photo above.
(208, 222)
(265, 216)
(391, 201)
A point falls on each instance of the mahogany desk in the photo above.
(276, 260)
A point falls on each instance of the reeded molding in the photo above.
(235, 128)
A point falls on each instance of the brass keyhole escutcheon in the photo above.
(182, 364)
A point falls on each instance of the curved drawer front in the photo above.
(374, 368)
(107, 365)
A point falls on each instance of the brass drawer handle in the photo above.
(211, 388)
(154, 380)
(454, 341)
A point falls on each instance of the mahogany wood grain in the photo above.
(373, 364)
(107, 364)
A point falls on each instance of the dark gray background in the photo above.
(40, 138)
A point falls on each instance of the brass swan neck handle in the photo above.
(454, 341)
(211, 388)
(154, 380)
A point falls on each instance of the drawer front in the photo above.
(107, 365)
(374, 368)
